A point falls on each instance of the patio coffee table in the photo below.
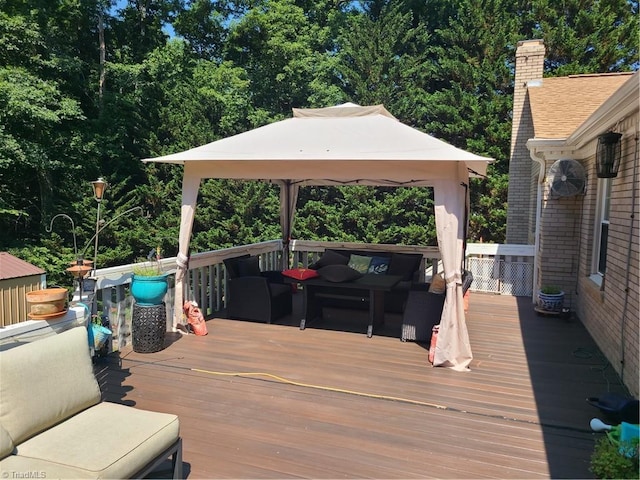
(375, 284)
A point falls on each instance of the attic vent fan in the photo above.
(566, 178)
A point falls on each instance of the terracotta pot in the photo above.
(48, 301)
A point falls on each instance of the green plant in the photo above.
(151, 266)
(608, 462)
(550, 290)
(147, 269)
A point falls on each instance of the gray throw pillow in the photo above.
(338, 273)
(330, 257)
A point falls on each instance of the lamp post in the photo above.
(99, 187)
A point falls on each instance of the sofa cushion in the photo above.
(6, 444)
(18, 463)
(330, 257)
(249, 267)
(60, 383)
(117, 441)
(231, 264)
(404, 265)
(300, 273)
(339, 273)
(379, 265)
(359, 263)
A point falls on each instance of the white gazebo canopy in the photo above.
(347, 145)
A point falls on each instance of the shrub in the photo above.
(608, 462)
(550, 290)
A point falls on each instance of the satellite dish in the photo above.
(566, 178)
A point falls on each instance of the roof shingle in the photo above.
(559, 105)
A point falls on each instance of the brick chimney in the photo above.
(522, 188)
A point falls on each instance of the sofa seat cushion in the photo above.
(47, 469)
(108, 440)
(277, 289)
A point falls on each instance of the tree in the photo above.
(586, 36)
(284, 54)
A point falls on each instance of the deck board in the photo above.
(328, 402)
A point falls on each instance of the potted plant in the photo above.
(149, 283)
(550, 298)
(608, 461)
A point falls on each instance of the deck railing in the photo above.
(497, 268)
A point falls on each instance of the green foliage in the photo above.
(608, 462)
(444, 67)
(52, 257)
(550, 290)
(393, 215)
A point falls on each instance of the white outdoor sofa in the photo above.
(53, 423)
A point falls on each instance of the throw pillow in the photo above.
(379, 265)
(404, 264)
(300, 273)
(359, 262)
(249, 267)
(339, 273)
(438, 285)
(329, 257)
(231, 265)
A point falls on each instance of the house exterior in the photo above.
(587, 243)
(17, 277)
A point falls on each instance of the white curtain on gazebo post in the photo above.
(190, 189)
(453, 348)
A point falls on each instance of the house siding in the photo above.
(611, 313)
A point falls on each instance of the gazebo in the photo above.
(347, 145)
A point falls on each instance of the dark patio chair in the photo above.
(255, 295)
(424, 309)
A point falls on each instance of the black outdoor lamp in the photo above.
(99, 187)
(608, 154)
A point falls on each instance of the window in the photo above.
(601, 238)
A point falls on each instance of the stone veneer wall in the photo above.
(529, 66)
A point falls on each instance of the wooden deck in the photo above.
(272, 401)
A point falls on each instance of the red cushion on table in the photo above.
(300, 273)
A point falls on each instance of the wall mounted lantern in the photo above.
(608, 154)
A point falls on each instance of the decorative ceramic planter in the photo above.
(550, 302)
(149, 290)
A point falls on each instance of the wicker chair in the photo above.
(424, 309)
(255, 295)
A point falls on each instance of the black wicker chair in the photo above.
(424, 309)
(255, 295)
